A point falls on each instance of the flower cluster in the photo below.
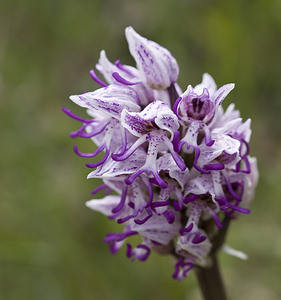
(174, 164)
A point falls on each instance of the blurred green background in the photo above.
(50, 244)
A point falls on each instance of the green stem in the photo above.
(209, 278)
(210, 281)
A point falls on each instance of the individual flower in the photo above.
(196, 109)
(155, 124)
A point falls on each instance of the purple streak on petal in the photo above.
(100, 162)
(82, 154)
(175, 107)
(185, 230)
(145, 256)
(73, 116)
(197, 153)
(96, 79)
(122, 80)
(122, 200)
(217, 166)
(170, 217)
(149, 215)
(191, 198)
(99, 188)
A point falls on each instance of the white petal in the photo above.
(207, 83)
(110, 100)
(158, 67)
(112, 168)
(158, 229)
(104, 205)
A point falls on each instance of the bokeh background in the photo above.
(50, 244)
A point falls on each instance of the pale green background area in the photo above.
(51, 245)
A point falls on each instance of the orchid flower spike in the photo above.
(175, 168)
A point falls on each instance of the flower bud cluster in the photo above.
(174, 163)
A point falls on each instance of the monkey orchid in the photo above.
(176, 167)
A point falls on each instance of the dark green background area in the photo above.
(50, 244)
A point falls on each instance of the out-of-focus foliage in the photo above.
(50, 243)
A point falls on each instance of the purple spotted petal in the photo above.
(158, 68)
(109, 100)
(140, 123)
